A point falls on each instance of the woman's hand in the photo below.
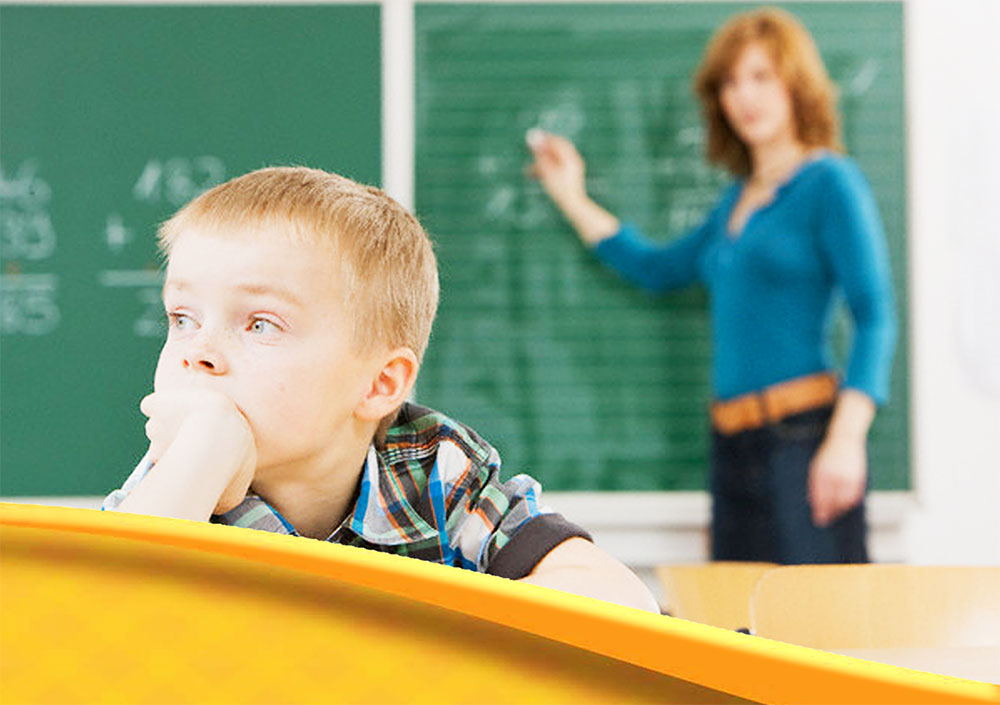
(837, 478)
(558, 166)
(838, 472)
(560, 169)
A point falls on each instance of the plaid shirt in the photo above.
(431, 491)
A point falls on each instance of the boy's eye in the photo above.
(262, 325)
(180, 321)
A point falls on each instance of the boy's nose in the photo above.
(204, 359)
(204, 364)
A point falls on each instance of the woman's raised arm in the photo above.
(560, 169)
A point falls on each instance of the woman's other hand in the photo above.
(837, 478)
(838, 472)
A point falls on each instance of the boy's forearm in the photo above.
(188, 480)
(580, 567)
(620, 588)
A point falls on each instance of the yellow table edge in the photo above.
(748, 667)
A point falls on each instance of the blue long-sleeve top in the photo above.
(772, 286)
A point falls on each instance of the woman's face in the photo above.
(756, 101)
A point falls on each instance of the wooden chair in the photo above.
(878, 606)
(716, 593)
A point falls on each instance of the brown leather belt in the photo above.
(774, 403)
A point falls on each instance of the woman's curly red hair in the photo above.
(797, 61)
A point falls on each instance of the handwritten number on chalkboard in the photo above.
(177, 180)
(28, 305)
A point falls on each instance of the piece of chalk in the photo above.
(534, 137)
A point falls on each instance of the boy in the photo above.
(299, 305)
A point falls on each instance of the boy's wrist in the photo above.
(207, 457)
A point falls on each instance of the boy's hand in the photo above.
(210, 425)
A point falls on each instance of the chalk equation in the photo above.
(32, 295)
(28, 301)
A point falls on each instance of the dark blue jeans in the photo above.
(760, 510)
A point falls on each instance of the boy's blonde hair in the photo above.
(382, 254)
(800, 66)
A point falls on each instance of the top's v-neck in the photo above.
(736, 235)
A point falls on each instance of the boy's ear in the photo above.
(390, 385)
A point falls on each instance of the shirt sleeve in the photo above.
(112, 501)
(502, 528)
(854, 242)
(532, 542)
(657, 267)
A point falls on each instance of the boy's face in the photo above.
(262, 320)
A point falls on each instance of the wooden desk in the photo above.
(981, 663)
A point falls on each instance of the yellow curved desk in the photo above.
(105, 607)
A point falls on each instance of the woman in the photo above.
(789, 469)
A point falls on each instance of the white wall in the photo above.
(953, 116)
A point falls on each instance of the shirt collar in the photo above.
(382, 513)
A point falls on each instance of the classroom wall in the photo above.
(955, 291)
(954, 170)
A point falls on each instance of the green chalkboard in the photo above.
(110, 118)
(580, 379)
